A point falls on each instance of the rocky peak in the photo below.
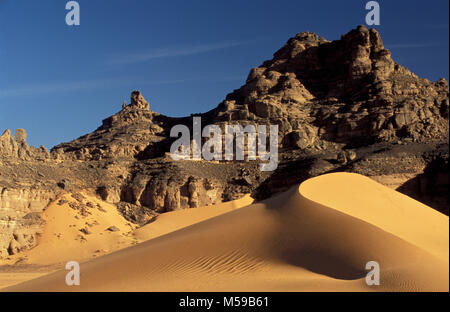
(124, 134)
(8, 145)
(364, 37)
(136, 111)
(343, 91)
(17, 147)
(21, 136)
(298, 44)
(137, 100)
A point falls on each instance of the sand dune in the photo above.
(71, 233)
(175, 220)
(315, 237)
(63, 239)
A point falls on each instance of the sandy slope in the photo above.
(62, 239)
(175, 220)
(316, 237)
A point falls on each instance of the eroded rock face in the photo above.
(8, 145)
(19, 218)
(431, 187)
(20, 205)
(17, 147)
(349, 90)
(138, 100)
(171, 191)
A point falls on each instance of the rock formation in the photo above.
(343, 105)
(346, 91)
(17, 147)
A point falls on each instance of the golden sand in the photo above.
(316, 237)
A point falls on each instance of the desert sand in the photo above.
(315, 237)
(64, 236)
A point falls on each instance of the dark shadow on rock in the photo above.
(431, 187)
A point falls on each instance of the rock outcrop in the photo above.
(345, 91)
(19, 218)
(17, 147)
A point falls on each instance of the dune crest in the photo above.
(316, 237)
(392, 211)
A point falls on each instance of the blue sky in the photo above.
(58, 82)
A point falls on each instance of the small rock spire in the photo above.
(138, 100)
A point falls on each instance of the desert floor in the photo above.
(315, 237)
